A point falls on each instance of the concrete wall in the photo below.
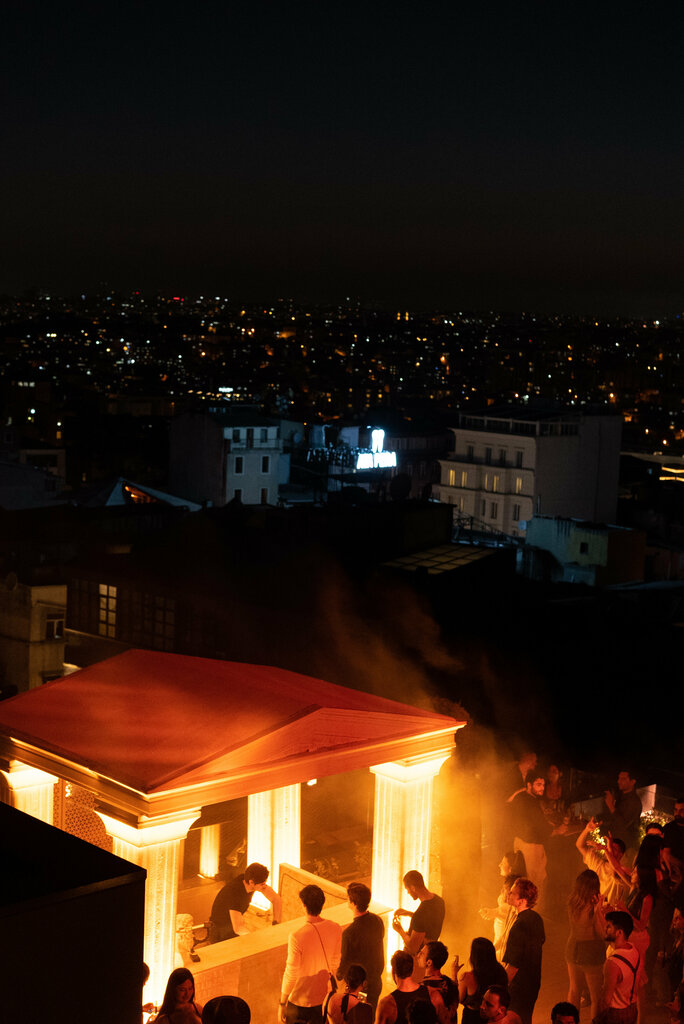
(196, 458)
(577, 475)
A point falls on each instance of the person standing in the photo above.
(624, 813)
(673, 845)
(392, 1009)
(531, 829)
(613, 886)
(313, 956)
(618, 1004)
(363, 941)
(443, 991)
(523, 954)
(585, 950)
(426, 920)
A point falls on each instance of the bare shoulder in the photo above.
(511, 1018)
(387, 1011)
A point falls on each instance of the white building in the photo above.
(225, 455)
(506, 468)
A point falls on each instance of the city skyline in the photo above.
(500, 159)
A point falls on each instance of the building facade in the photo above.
(31, 633)
(578, 551)
(225, 456)
(504, 470)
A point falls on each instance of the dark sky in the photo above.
(521, 155)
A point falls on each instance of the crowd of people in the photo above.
(624, 948)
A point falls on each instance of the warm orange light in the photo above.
(210, 838)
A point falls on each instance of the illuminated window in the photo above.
(107, 623)
(239, 465)
(495, 482)
(464, 478)
(452, 478)
(518, 484)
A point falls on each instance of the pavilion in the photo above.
(158, 737)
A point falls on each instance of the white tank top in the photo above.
(626, 989)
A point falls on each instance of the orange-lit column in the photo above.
(210, 841)
(155, 846)
(33, 790)
(274, 829)
(401, 828)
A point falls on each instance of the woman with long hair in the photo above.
(585, 950)
(178, 1005)
(485, 971)
(511, 867)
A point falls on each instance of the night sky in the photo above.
(517, 156)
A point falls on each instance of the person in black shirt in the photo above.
(523, 954)
(426, 921)
(624, 812)
(673, 846)
(363, 941)
(392, 1009)
(227, 913)
(532, 829)
(443, 991)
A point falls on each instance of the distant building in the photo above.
(31, 634)
(506, 468)
(418, 455)
(24, 486)
(576, 551)
(226, 455)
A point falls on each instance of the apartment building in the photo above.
(507, 466)
(222, 456)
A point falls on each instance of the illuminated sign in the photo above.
(377, 457)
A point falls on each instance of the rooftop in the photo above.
(156, 723)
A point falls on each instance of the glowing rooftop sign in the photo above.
(377, 457)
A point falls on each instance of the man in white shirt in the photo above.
(313, 954)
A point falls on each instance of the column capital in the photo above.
(23, 776)
(413, 769)
(152, 831)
